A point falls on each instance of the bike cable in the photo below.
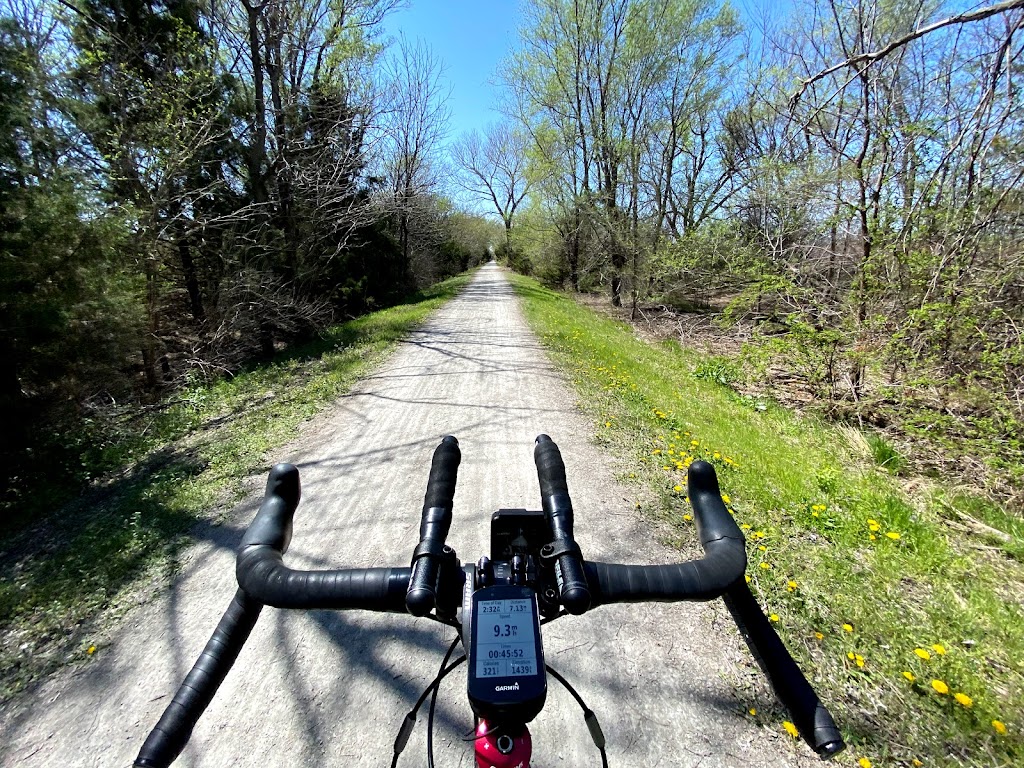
(588, 716)
(410, 719)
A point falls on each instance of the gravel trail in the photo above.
(325, 689)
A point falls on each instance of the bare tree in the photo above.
(494, 168)
(414, 122)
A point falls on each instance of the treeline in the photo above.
(188, 184)
(848, 177)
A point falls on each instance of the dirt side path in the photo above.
(323, 689)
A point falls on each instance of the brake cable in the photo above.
(588, 715)
(410, 719)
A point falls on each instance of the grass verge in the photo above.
(181, 463)
(904, 613)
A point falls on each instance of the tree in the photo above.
(494, 168)
(415, 122)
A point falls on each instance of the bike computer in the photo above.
(507, 680)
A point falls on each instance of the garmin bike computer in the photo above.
(507, 679)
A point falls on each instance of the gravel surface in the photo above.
(324, 689)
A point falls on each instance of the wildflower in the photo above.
(872, 537)
(763, 548)
(745, 526)
(874, 525)
(687, 517)
(775, 617)
(893, 535)
(964, 700)
(678, 488)
(922, 653)
(916, 763)
(814, 514)
(858, 660)
(726, 499)
(848, 627)
(940, 687)
(939, 649)
(752, 711)
(716, 455)
(765, 566)
(849, 655)
(1000, 728)
(759, 534)
(746, 577)
(695, 443)
(790, 728)
(864, 763)
(909, 676)
(790, 586)
(818, 636)
(91, 650)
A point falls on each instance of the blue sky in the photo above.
(471, 37)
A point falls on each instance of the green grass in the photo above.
(181, 464)
(860, 569)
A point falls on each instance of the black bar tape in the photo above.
(264, 577)
(554, 493)
(166, 741)
(724, 561)
(809, 715)
(435, 523)
(697, 580)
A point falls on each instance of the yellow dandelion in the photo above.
(814, 514)
(849, 655)
(726, 499)
(909, 676)
(939, 649)
(859, 660)
(687, 517)
(964, 700)
(763, 548)
(765, 566)
(716, 455)
(752, 711)
(745, 526)
(91, 650)
(893, 535)
(759, 534)
(695, 443)
(922, 653)
(864, 763)
(790, 728)
(847, 627)
(940, 687)
(677, 488)
(791, 585)
(775, 617)
(872, 537)
(818, 636)
(1000, 728)
(916, 763)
